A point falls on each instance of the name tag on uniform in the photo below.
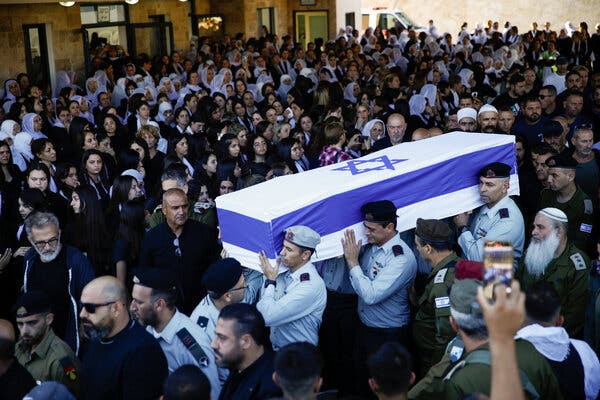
(587, 228)
(441, 302)
(441, 275)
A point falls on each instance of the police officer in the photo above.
(563, 193)
(153, 305)
(381, 273)
(498, 219)
(292, 303)
(434, 241)
(552, 257)
(39, 350)
(224, 280)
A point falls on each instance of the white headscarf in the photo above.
(366, 131)
(7, 92)
(172, 94)
(28, 126)
(465, 75)
(22, 153)
(349, 93)
(284, 88)
(6, 129)
(164, 106)
(430, 93)
(417, 104)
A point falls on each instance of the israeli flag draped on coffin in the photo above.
(432, 178)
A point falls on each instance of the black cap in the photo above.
(222, 275)
(379, 211)
(495, 170)
(31, 303)
(552, 129)
(156, 278)
(561, 161)
(434, 231)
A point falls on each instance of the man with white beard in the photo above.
(551, 257)
(58, 270)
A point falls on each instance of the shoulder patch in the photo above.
(503, 213)
(202, 321)
(69, 368)
(305, 277)
(442, 302)
(440, 276)
(578, 261)
(587, 228)
(397, 249)
(588, 207)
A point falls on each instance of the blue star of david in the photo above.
(380, 163)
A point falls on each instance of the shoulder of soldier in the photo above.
(578, 259)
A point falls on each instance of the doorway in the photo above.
(310, 25)
(36, 54)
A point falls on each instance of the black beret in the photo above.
(379, 211)
(31, 303)
(222, 275)
(561, 161)
(495, 170)
(156, 278)
(434, 231)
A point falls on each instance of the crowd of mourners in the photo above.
(111, 266)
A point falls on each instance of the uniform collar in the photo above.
(501, 204)
(308, 267)
(444, 262)
(43, 347)
(387, 246)
(170, 330)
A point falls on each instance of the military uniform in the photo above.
(569, 274)
(293, 308)
(580, 213)
(502, 222)
(51, 360)
(475, 377)
(431, 327)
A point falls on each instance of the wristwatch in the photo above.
(270, 282)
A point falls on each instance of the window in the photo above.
(36, 53)
(350, 19)
(103, 13)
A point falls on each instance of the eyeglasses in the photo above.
(43, 243)
(177, 248)
(91, 307)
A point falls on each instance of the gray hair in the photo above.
(473, 325)
(40, 220)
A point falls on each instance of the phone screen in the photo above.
(498, 258)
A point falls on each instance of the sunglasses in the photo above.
(91, 307)
(177, 248)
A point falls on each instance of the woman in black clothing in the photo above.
(119, 137)
(10, 175)
(258, 156)
(67, 179)
(87, 230)
(128, 240)
(154, 157)
(37, 176)
(94, 173)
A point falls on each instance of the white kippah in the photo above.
(467, 112)
(554, 213)
(487, 108)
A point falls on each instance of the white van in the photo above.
(385, 18)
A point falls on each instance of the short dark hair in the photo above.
(391, 368)
(542, 303)
(188, 382)
(248, 321)
(298, 366)
(543, 148)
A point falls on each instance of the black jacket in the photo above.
(253, 383)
